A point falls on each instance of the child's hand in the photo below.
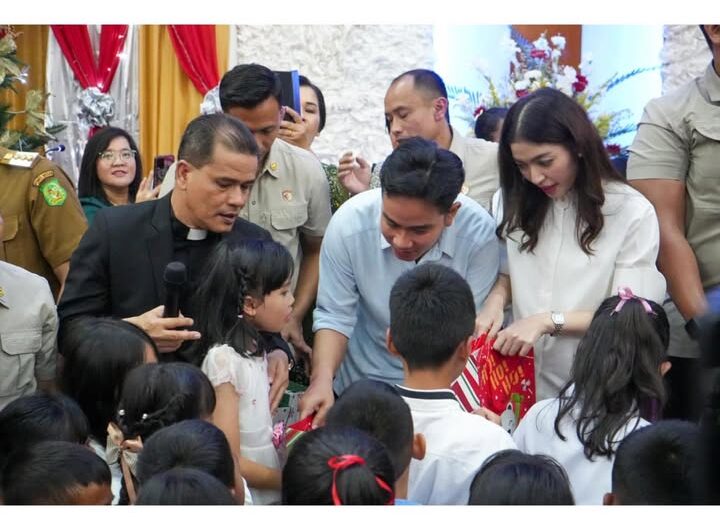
(487, 414)
(278, 376)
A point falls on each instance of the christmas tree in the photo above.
(12, 73)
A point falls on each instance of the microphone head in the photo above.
(175, 273)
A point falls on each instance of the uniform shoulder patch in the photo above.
(19, 158)
(53, 192)
(42, 176)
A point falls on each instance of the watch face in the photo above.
(558, 318)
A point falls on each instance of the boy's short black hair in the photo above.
(432, 312)
(184, 486)
(419, 169)
(378, 409)
(38, 418)
(193, 444)
(510, 477)
(248, 85)
(658, 464)
(51, 473)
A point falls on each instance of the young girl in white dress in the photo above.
(574, 232)
(246, 290)
(615, 388)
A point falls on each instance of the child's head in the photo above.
(157, 395)
(188, 444)
(184, 486)
(617, 369)
(511, 477)
(245, 289)
(40, 417)
(488, 124)
(658, 464)
(548, 147)
(338, 465)
(56, 473)
(98, 353)
(378, 409)
(432, 317)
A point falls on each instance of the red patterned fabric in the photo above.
(196, 51)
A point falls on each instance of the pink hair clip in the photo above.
(626, 294)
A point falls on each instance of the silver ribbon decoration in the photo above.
(95, 109)
(211, 102)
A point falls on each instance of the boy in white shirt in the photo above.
(432, 319)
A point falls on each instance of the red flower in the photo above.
(522, 93)
(580, 84)
(613, 149)
(538, 54)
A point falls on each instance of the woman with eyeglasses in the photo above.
(111, 173)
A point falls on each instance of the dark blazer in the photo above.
(117, 269)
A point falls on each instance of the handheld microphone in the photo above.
(175, 277)
(59, 148)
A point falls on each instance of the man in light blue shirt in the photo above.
(417, 216)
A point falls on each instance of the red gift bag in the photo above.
(503, 384)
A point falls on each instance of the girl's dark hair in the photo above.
(511, 477)
(547, 116)
(89, 184)
(304, 81)
(487, 122)
(41, 417)
(184, 486)
(615, 373)
(193, 444)
(51, 473)
(253, 267)
(307, 478)
(99, 352)
(157, 395)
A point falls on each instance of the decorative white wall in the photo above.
(685, 55)
(353, 66)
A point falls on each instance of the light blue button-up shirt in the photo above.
(358, 269)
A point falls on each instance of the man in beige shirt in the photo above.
(416, 104)
(28, 331)
(290, 197)
(675, 162)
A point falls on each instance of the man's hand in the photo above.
(278, 376)
(163, 331)
(295, 132)
(317, 398)
(293, 333)
(354, 173)
(521, 335)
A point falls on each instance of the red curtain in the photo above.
(74, 41)
(196, 51)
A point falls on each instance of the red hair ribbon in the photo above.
(338, 463)
(626, 294)
(479, 111)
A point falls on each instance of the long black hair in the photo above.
(89, 184)
(253, 267)
(547, 116)
(616, 371)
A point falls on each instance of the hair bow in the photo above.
(626, 294)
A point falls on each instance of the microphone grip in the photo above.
(172, 303)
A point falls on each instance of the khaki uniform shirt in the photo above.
(44, 221)
(679, 139)
(28, 330)
(290, 196)
(479, 158)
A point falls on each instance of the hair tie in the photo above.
(121, 412)
(143, 417)
(479, 111)
(626, 294)
(338, 463)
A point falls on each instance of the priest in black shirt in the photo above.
(117, 270)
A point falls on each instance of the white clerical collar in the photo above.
(196, 234)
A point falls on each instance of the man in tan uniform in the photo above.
(43, 218)
(416, 104)
(675, 162)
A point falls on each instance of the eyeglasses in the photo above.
(125, 155)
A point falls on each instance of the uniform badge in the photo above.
(53, 192)
(273, 165)
(287, 195)
(42, 176)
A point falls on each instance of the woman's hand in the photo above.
(490, 318)
(295, 132)
(145, 191)
(520, 336)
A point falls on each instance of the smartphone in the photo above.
(160, 166)
(290, 97)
